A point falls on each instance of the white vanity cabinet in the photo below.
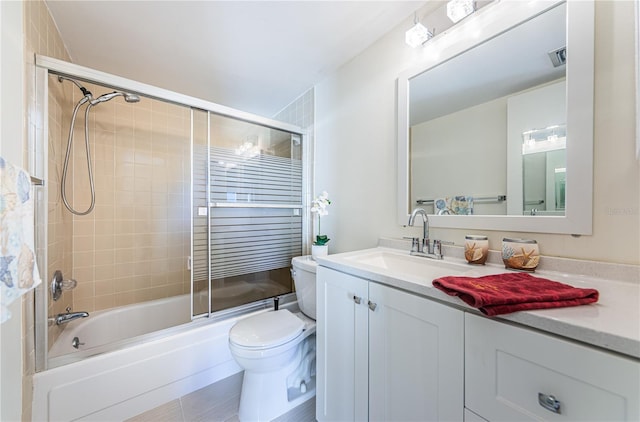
(385, 354)
(342, 344)
(514, 373)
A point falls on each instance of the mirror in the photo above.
(494, 135)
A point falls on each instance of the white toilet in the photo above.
(277, 350)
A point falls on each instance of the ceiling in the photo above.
(255, 56)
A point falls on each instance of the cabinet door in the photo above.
(514, 373)
(415, 358)
(342, 347)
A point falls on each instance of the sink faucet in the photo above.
(69, 316)
(424, 248)
(424, 244)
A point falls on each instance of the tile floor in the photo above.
(217, 402)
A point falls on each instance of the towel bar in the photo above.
(486, 199)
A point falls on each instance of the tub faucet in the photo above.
(69, 316)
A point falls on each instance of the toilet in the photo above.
(277, 350)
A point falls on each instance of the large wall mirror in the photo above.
(495, 126)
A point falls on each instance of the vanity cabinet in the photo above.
(385, 354)
(514, 373)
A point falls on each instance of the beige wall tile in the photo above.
(105, 301)
(104, 272)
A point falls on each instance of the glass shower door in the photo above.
(254, 214)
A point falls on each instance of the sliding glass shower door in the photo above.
(247, 213)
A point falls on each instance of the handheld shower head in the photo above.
(130, 98)
(105, 97)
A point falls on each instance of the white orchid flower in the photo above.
(319, 206)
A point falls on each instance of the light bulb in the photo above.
(459, 9)
(417, 35)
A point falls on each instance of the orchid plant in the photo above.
(319, 206)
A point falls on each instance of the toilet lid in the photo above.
(267, 329)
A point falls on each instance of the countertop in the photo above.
(613, 323)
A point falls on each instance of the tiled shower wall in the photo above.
(135, 244)
(301, 112)
(41, 37)
(60, 223)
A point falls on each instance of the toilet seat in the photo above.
(267, 330)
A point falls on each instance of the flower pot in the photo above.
(319, 250)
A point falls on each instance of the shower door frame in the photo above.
(38, 159)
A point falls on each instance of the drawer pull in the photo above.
(372, 305)
(357, 299)
(549, 402)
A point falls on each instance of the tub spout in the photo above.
(69, 316)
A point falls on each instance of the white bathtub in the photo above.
(151, 370)
(123, 323)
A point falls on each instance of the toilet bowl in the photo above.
(277, 351)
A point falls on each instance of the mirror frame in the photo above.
(485, 24)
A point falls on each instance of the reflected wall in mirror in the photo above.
(470, 144)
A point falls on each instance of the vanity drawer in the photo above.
(511, 372)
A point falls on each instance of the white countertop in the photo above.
(613, 323)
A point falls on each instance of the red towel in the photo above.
(510, 292)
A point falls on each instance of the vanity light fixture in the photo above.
(459, 9)
(417, 35)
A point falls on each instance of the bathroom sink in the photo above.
(391, 262)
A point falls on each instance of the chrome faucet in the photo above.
(424, 248)
(69, 316)
(424, 244)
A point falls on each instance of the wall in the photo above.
(134, 245)
(40, 36)
(474, 139)
(356, 148)
(301, 113)
(11, 148)
(59, 223)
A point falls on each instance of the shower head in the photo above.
(128, 97)
(131, 98)
(84, 90)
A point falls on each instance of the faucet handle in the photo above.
(437, 248)
(427, 245)
(415, 243)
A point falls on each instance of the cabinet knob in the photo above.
(549, 402)
(357, 299)
(372, 305)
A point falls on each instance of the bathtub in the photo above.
(143, 372)
(111, 326)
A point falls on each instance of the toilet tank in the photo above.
(304, 279)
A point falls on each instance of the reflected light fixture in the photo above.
(417, 35)
(459, 9)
